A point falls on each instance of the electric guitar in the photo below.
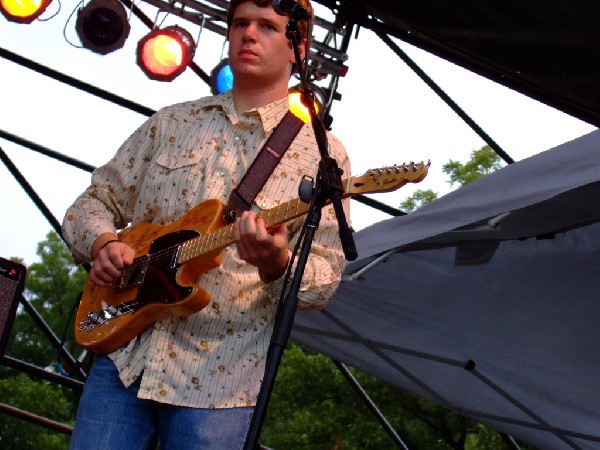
(162, 279)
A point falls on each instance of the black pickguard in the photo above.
(160, 285)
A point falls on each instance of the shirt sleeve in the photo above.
(326, 261)
(107, 204)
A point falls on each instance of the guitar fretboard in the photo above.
(223, 237)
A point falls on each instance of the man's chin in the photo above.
(249, 75)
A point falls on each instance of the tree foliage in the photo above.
(314, 407)
(417, 200)
(40, 398)
(482, 162)
(52, 287)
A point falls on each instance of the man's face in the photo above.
(259, 51)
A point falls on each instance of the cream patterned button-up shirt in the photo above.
(182, 155)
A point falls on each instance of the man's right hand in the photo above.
(110, 260)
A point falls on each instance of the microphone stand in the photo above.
(328, 187)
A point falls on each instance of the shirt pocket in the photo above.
(171, 161)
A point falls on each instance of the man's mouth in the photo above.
(247, 52)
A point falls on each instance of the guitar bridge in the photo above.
(108, 312)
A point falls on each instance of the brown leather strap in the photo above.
(262, 167)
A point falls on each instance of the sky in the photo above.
(387, 115)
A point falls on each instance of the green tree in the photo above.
(51, 288)
(314, 407)
(418, 199)
(40, 398)
(482, 162)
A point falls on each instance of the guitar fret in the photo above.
(191, 246)
(183, 252)
(218, 240)
(192, 249)
(200, 245)
(203, 243)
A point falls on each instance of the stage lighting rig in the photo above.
(325, 60)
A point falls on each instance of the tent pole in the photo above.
(510, 442)
(372, 406)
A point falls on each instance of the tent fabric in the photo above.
(485, 301)
(545, 49)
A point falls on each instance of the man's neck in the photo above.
(247, 99)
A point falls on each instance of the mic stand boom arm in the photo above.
(328, 187)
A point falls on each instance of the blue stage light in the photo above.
(221, 78)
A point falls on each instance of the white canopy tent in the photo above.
(486, 301)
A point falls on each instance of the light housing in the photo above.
(102, 26)
(23, 11)
(221, 77)
(164, 54)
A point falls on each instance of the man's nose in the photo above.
(250, 32)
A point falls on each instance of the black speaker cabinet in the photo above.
(12, 282)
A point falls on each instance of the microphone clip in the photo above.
(292, 9)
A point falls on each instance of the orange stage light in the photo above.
(298, 108)
(23, 11)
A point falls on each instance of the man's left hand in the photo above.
(267, 249)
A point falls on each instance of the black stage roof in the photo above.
(547, 50)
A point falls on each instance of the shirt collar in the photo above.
(270, 115)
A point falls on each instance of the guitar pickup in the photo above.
(132, 276)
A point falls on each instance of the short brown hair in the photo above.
(303, 25)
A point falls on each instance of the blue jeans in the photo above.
(111, 417)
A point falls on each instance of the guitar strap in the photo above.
(262, 167)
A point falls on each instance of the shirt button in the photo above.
(237, 138)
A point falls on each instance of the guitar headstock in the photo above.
(386, 179)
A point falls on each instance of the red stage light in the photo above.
(164, 54)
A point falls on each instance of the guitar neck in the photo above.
(376, 180)
(223, 237)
